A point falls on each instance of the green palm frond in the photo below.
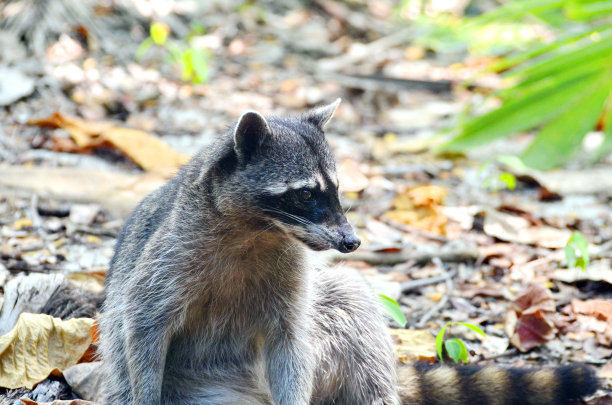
(561, 89)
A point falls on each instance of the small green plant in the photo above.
(498, 181)
(577, 243)
(393, 309)
(455, 348)
(193, 60)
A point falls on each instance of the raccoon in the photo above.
(214, 297)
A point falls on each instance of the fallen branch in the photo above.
(446, 253)
(414, 284)
(390, 84)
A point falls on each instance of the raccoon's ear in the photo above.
(321, 115)
(250, 132)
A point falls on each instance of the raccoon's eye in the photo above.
(305, 195)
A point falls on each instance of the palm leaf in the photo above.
(561, 87)
(560, 139)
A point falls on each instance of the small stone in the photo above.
(84, 214)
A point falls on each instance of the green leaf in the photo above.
(453, 348)
(517, 9)
(514, 162)
(585, 50)
(580, 262)
(582, 245)
(518, 115)
(570, 254)
(440, 342)
(187, 68)
(561, 139)
(473, 328)
(393, 309)
(143, 48)
(176, 54)
(159, 33)
(508, 179)
(464, 353)
(199, 63)
(606, 145)
(581, 10)
(537, 50)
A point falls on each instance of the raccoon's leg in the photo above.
(425, 384)
(184, 387)
(116, 388)
(355, 361)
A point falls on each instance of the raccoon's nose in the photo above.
(350, 243)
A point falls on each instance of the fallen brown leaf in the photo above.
(529, 323)
(601, 309)
(148, 152)
(594, 316)
(517, 229)
(39, 345)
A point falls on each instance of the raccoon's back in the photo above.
(144, 221)
(424, 384)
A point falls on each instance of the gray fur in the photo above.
(213, 298)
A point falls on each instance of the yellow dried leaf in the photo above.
(40, 344)
(148, 152)
(22, 223)
(435, 296)
(93, 239)
(420, 207)
(413, 345)
(428, 195)
(89, 281)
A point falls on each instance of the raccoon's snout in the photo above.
(350, 242)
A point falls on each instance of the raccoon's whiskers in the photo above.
(296, 218)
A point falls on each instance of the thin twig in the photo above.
(510, 352)
(436, 308)
(414, 284)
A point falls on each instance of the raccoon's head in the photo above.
(287, 171)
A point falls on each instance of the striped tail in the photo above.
(426, 384)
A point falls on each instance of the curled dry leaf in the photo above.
(413, 345)
(595, 316)
(85, 379)
(529, 323)
(40, 344)
(148, 152)
(513, 228)
(421, 207)
(600, 270)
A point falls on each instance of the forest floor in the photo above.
(441, 234)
